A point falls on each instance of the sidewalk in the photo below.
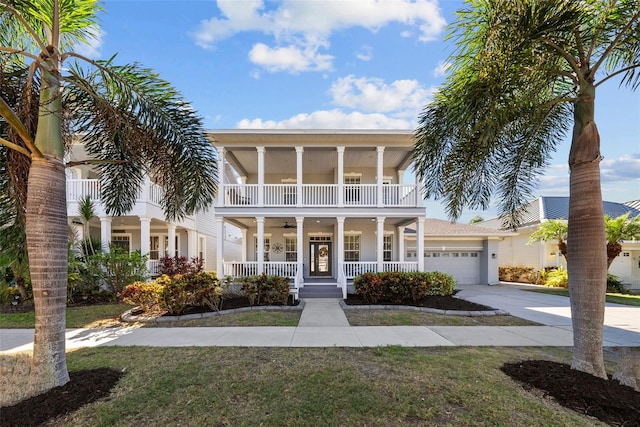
(324, 324)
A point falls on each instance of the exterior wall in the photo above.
(627, 267)
(489, 262)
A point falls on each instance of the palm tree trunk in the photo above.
(46, 229)
(47, 240)
(586, 241)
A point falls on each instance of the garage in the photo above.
(464, 266)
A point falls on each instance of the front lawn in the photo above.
(85, 316)
(312, 387)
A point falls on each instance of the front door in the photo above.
(320, 259)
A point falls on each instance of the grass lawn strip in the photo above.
(624, 299)
(387, 386)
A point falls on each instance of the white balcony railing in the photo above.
(250, 268)
(403, 267)
(79, 188)
(318, 195)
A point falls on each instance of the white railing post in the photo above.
(380, 176)
(340, 176)
(299, 175)
(261, 151)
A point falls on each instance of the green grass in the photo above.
(77, 317)
(376, 317)
(625, 299)
(388, 386)
(246, 318)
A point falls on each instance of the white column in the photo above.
(420, 243)
(380, 244)
(400, 232)
(380, 175)
(400, 176)
(221, 190)
(220, 247)
(340, 248)
(261, 152)
(171, 243)
(299, 174)
(245, 245)
(105, 233)
(418, 190)
(145, 196)
(192, 244)
(300, 246)
(260, 248)
(340, 176)
(145, 235)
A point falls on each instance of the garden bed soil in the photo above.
(606, 400)
(432, 301)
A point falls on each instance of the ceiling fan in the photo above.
(287, 225)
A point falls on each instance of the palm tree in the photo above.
(555, 229)
(522, 73)
(133, 123)
(619, 229)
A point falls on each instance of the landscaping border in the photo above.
(128, 317)
(495, 312)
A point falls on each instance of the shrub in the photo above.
(520, 275)
(398, 288)
(558, 278)
(190, 290)
(118, 268)
(614, 285)
(179, 265)
(145, 295)
(266, 289)
(176, 294)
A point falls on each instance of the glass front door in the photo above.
(320, 259)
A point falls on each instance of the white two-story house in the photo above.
(322, 206)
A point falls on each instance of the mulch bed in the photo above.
(607, 400)
(433, 301)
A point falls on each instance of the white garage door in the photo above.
(463, 266)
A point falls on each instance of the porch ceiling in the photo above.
(279, 222)
(320, 156)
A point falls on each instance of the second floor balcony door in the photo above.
(320, 259)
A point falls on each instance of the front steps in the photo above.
(320, 291)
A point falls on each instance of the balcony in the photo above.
(321, 195)
(80, 188)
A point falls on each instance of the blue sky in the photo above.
(330, 64)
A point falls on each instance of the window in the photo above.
(123, 242)
(352, 188)
(267, 248)
(352, 248)
(474, 254)
(166, 246)
(291, 249)
(625, 254)
(154, 247)
(387, 247)
(289, 193)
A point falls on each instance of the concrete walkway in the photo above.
(324, 324)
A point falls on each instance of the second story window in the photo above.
(352, 188)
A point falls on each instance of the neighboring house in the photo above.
(322, 206)
(145, 227)
(516, 252)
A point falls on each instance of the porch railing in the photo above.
(353, 269)
(154, 267)
(79, 188)
(365, 195)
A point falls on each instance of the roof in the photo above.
(443, 228)
(545, 208)
(634, 204)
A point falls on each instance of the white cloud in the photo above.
(307, 25)
(365, 53)
(375, 95)
(441, 69)
(289, 58)
(94, 43)
(332, 119)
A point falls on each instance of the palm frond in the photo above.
(128, 113)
